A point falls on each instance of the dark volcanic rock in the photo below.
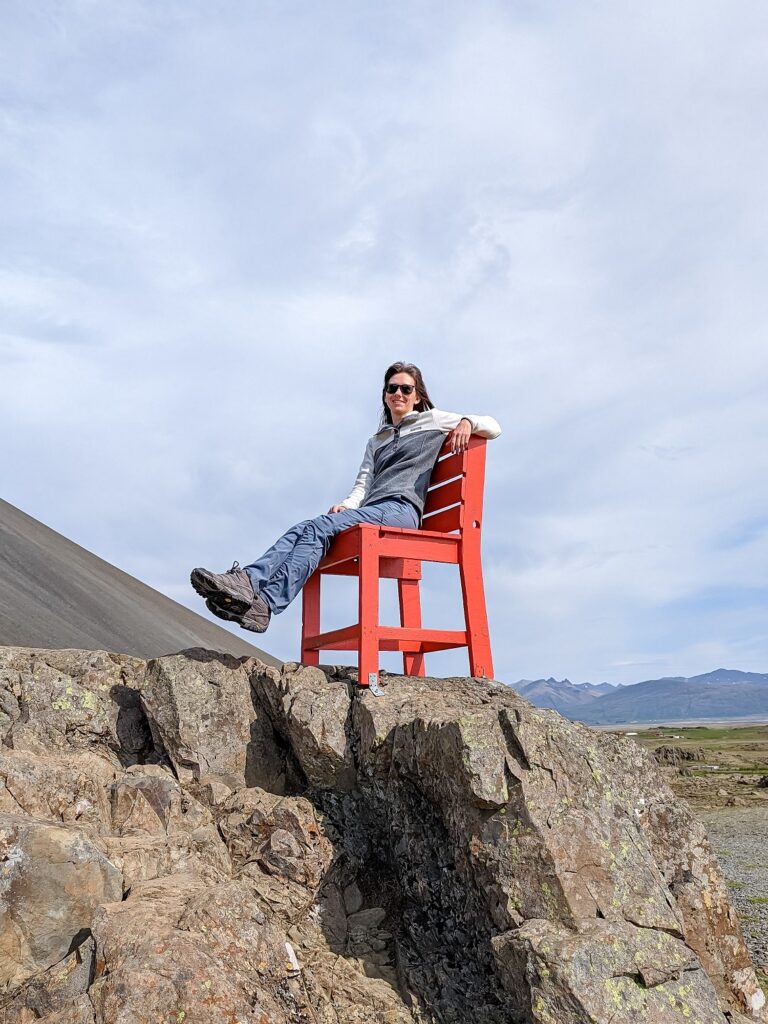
(677, 755)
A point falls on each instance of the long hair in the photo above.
(424, 402)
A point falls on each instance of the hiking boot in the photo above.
(230, 589)
(256, 619)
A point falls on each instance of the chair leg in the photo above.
(368, 607)
(478, 638)
(310, 617)
(410, 617)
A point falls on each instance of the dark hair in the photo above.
(424, 402)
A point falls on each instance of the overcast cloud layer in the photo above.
(221, 222)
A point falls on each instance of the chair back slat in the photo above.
(446, 468)
(455, 495)
(441, 497)
(447, 521)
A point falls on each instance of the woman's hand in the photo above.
(460, 435)
(336, 508)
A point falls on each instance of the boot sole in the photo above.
(206, 587)
(230, 616)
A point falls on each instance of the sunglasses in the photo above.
(407, 389)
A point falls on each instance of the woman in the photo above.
(390, 490)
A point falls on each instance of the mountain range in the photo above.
(724, 693)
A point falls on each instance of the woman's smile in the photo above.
(399, 403)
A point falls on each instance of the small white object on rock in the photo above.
(293, 966)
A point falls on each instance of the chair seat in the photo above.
(393, 542)
(403, 531)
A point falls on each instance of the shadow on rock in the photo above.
(135, 744)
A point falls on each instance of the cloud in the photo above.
(221, 224)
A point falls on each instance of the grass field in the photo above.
(736, 748)
(733, 758)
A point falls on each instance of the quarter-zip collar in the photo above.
(406, 421)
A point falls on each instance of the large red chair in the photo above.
(451, 528)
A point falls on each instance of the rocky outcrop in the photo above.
(204, 838)
(678, 755)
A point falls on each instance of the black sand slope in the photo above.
(55, 594)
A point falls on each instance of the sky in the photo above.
(220, 222)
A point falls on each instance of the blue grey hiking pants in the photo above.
(283, 570)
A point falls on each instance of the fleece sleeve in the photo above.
(484, 426)
(363, 482)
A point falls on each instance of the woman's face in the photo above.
(399, 404)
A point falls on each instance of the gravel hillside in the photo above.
(739, 836)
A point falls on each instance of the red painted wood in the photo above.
(368, 606)
(346, 545)
(397, 531)
(446, 521)
(442, 497)
(400, 568)
(371, 552)
(470, 568)
(389, 568)
(439, 547)
(310, 617)
(345, 639)
(390, 638)
(410, 618)
(447, 468)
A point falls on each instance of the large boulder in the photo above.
(282, 834)
(678, 755)
(311, 716)
(492, 813)
(73, 700)
(265, 845)
(180, 950)
(53, 880)
(58, 993)
(201, 713)
(159, 828)
(606, 970)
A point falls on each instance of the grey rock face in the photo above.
(177, 946)
(199, 709)
(53, 879)
(201, 713)
(311, 716)
(72, 788)
(605, 968)
(494, 814)
(282, 847)
(72, 700)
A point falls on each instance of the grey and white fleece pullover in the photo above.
(398, 461)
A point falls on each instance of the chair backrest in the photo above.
(455, 495)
